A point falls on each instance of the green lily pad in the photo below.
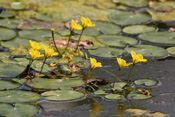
(18, 110)
(46, 68)
(7, 34)
(37, 35)
(100, 92)
(4, 55)
(15, 96)
(138, 96)
(10, 70)
(15, 43)
(119, 85)
(47, 17)
(107, 52)
(171, 50)
(148, 50)
(9, 23)
(114, 96)
(129, 18)
(17, 6)
(137, 29)
(21, 81)
(7, 15)
(62, 95)
(116, 40)
(159, 37)
(91, 48)
(8, 85)
(43, 83)
(146, 82)
(132, 3)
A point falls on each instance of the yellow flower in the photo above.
(75, 26)
(49, 52)
(52, 29)
(137, 58)
(146, 93)
(52, 65)
(69, 58)
(94, 63)
(122, 63)
(35, 45)
(86, 22)
(34, 54)
(36, 75)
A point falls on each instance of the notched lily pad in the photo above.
(9, 23)
(137, 29)
(15, 96)
(132, 3)
(159, 37)
(116, 40)
(119, 85)
(8, 85)
(21, 81)
(171, 50)
(146, 82)
(100, 92)
(138, 96)
(62, 95)
(7, 34)
(18, 110)
(107, 52)
(148, 50)
(113, 97)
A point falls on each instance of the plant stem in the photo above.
(130, 74)
(43, 65)
(88, 77)
(55, 44)
(115, 79)
(30, 62)
(78, 49)
(68, 41)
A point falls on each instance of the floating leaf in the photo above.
(21, 81)
(171, 50)
(43, 83)
(10, 70)
(6, 15)
(4, 55)
(148, 50)
(62, 95)
(37, 35)
(7, 34)
(138, 96)
(116, 40)
(129, 18)
(8, 85)
(47, 17)
(107, 52)
(15, 96)
(159, 37)
(146, 82)
(46, 68)
(18, 110)
(119, 85)
(17, 6)
(100, 92)
(137, 29)
(132, 3)
(114, 96)
(9, 23)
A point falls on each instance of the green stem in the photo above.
(130, 74)
(43, 65)
(68, 41)
(79, 39)
(30, 62)
(88, 77)
(55, 43)
(115, 79)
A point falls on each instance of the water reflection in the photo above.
(95, 110)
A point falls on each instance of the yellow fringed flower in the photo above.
(49, 52)
(36, 75)
(86, 22)
(34, 54)
(52, 29)
(136, 58)
(35, 45)
(52, 65)
(69, 58)
(122, 63)
(75, 26)
(94, 63)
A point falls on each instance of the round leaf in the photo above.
(171, 50)
(100, 92)
(107, 52)
(146, 82)
(119, 85)
(7, 15)
(116, 40)
(60, 95)
(148, 50)
(137, 29)
(138, 96)
(113, 96)
(15, 96)
(132, 3)
(17, 6)
(7, 34)
(8, 85)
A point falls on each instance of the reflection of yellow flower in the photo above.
(122, 63)
(52, 65)
(94, 63)
(146, 93)
(35, 45)
(69, 58)
(86, 22)
(75, 26)
(137, 58)
(34, 54)
(49, 52)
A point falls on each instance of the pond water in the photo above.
(145, 26)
